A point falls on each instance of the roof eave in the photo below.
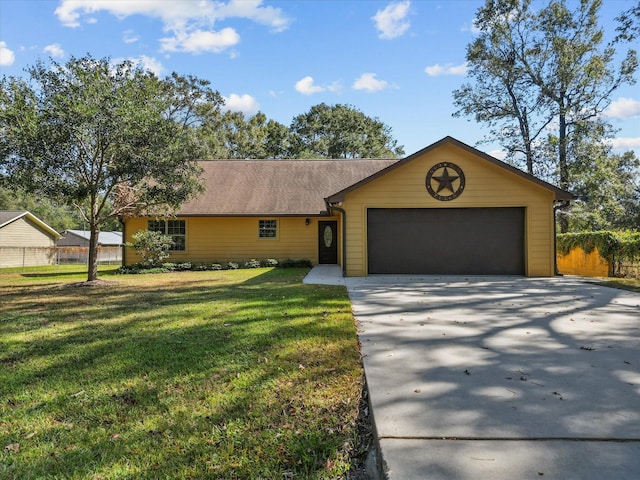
(559, 193)
(44, 226)
(321, 213)
(37, 221)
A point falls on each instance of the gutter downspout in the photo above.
(331, 208)
(558, 206)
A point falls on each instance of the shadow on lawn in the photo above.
(70, 273)
(181, 379)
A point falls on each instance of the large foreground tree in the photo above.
(110, 140)
(542, 69)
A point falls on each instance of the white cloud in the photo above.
(499, 154)
(370, 83)
(151, 64)
(253, 10)
(448, 69)
(191, 23)
(306, 86)
(144, 62)
(129, 36)
(242, 103)
(625, 143)
(200, 41)
(55, 50)
(7, 57)
(473, 28)
(623, 108)
(391, 21)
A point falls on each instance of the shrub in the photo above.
(153, 247)
(289, 263)
(611, 245)
(139, 268)
(177, 267)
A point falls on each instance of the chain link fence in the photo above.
(41, 256)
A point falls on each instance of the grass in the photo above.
(243, 374)
(631, 284)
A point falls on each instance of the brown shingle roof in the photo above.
(276, 187)
(299, 187)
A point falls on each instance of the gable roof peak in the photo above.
(9, 216)
(449, 140)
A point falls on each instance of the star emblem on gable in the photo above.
(445, 181)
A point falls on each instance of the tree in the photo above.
(629, 28)
(108, 139)
(501, 95)
(279, 141)
(58, 215)
(553, 57)
(341, 131)
(606, 185)
(231, 135)
(338, 131)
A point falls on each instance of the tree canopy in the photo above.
(108, 139)
(342, 131)
(325, 131)
(541, 77)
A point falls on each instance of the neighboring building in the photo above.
(447, 209)
(80, 238)
(25, 240)
(74, 247)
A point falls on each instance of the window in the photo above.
(267, 229)
(176, 229)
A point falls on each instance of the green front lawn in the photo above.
(241, 374)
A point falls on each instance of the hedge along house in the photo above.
(447, 209)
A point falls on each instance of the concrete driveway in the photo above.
(501, 377)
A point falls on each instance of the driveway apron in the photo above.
(501, 377)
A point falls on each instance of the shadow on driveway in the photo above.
(507, 377)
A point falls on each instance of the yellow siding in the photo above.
(577, 262)
(487, 185)
(224, 239)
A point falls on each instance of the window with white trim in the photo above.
(176, 229)
(267, 229)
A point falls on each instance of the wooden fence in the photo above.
(577, 262)
(39, 256)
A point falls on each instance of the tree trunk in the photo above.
(93, 251)
(563, 221)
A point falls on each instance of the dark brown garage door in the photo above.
(446, 241)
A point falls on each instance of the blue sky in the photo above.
(395, 60)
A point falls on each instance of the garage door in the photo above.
(446, 241)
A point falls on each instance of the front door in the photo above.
(328, 242)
